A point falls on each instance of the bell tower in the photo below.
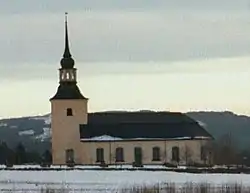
(67, 70)
(69, 109)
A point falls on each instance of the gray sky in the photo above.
(142, 38)
(124, 30)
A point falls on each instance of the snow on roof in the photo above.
(102, 138)
(111, 138)
(202, 123)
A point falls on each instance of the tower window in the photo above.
(67, 75)
(69, 112)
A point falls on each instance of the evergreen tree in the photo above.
(20, 154)
(3, 152)
(47, 157)
(6, 154)
(33, 157)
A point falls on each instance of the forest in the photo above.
(19, 156)
(225, 151)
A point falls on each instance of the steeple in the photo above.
(68, 88)
(67, 61)
(66, 51)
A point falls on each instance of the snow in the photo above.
(201, 123)
(111, 138)
(94, 181)
(176, 138)
(26, 132)
(202, 137)
(102, 138)
(45, 135)
(47, 119)
(2, 124)
(82, 167)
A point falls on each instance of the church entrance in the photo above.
(138, 156)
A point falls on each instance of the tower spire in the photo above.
(66, 51)
(68, 88)
(67, 61)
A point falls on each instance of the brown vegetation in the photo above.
(161, 188)
(191, 188)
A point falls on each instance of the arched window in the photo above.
(67, 75)
(138, 155)
(175, 154)
(156, 154)
(69, 112)
(62, 76)
(69, 156)
(99, 155)
(119, 156)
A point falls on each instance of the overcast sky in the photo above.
(162, 55)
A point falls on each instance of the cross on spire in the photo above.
(66, 51)
(66, 19)
(67, 61)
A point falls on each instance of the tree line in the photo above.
(225, 151)
(19, 155)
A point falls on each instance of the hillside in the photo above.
(35, 132)
(221, 123)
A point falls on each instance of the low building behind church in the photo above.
(139, 138)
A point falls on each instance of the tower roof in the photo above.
(67, 61)
(68, 91)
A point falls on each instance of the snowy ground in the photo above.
(106, 181)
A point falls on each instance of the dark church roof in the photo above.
(68, 90)
(142, 125)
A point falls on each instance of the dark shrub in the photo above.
(103, 164)
(70, 164)
(135, 164)
(45, 165)
(9, 165)
(170, 165)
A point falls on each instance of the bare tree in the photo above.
(164, 156)
(206, 153)
(187, 154)
(225, 150)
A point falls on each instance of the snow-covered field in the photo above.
(106, 181)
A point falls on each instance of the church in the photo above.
(107, 138)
